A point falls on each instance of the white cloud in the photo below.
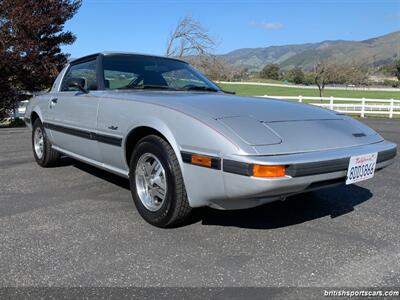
(267, 25)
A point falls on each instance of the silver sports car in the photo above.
(185, 143)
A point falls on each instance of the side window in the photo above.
(85, 70)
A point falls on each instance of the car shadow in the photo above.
(333, 202)
(102, 174)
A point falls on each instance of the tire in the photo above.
(48, 156)
(174, 209)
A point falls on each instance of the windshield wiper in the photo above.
(149, 86)
(200, 88)
(229, 92)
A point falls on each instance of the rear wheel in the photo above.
(156, 183)
(44, 155)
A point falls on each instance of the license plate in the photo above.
(361, 167)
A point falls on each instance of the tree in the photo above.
(354, 74)
(189, 38)
(328, 73)
(397, 69)
(296, 75)
(217, 68)
(214, 67)
(324, 74)
(270, 71)
(31, 33)
(309, 78)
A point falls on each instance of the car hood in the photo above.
(267, 126)
(270, 110)
(219, 105)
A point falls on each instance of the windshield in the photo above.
(147, 72)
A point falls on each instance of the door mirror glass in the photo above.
(76, 82)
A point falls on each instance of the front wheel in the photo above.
(44, 155)
(156, 183)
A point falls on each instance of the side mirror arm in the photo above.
(82, 89)
(76, 83)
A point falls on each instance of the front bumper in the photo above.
(228, 183)
(305, 172)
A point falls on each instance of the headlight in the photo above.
(251, 131)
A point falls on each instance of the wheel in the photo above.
(156, 183)
(44, 155)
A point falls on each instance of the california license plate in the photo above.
(361, 167)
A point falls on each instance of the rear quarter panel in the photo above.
(40, 106)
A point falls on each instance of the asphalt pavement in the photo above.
(74, 225)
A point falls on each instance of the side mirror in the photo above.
(77, 82)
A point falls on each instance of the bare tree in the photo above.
(324, 74)
(328, 73)
(189, 38)
(356, 74)
(215, 67)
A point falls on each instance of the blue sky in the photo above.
(143, 26)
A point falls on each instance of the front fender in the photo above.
(157, 125)
(183, 131)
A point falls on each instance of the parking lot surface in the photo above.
(75, 225)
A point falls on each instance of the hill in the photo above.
(373, 52)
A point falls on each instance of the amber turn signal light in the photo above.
(268, 171)
(201, 160)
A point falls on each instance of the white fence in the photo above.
(355, 106)
(313, 87)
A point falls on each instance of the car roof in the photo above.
(105, 53)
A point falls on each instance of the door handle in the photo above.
(53, 102)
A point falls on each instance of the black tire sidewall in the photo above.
(162, 216)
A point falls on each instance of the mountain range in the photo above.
(374, 52)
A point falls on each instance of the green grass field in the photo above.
(260, 90)
(265, 80)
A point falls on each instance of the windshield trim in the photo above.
(163, 90)
(142, 55)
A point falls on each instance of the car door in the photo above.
(73, 113)
(113, 116)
